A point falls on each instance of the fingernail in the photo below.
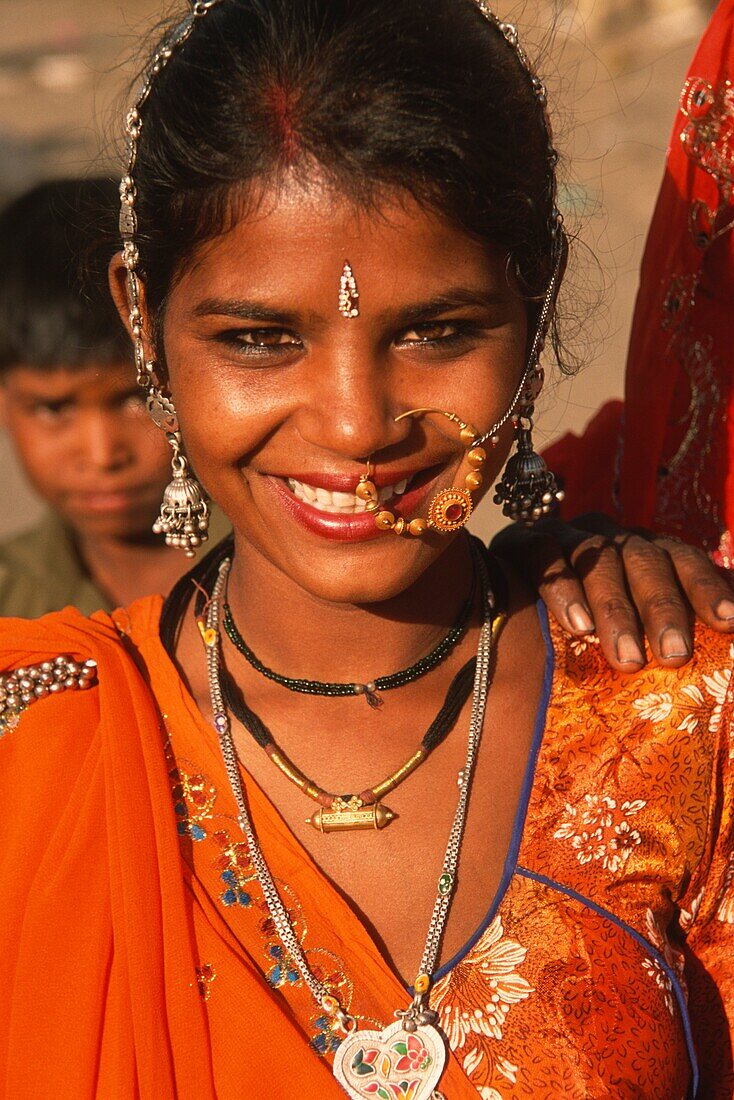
(628, 651)
(580, 618)
(673, 644)
(724, 609)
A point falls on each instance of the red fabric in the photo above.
(675, 449)
(586, 465)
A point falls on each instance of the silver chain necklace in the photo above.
(412, 1051)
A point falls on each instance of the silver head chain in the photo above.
(158, 405)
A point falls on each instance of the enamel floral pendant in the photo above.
(393, 1064)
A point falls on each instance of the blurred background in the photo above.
(614, 69)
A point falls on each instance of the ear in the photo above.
(3, 402)
(536, 384)
(117, 278)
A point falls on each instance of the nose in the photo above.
(102, 443)
(351, 407)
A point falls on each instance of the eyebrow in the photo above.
(453, 298)
(243, 309)
(458, 297)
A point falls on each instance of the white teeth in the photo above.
(339, 503)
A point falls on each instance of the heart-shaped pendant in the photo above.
(393, 1064)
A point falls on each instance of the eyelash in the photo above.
(464, 332)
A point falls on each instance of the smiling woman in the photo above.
(340, 259)
(299, 396)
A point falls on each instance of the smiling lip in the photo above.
(350, 528)
(346, 483)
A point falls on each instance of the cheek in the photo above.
(225, 418)
(148, 444)
(42, 449)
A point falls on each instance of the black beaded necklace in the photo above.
(371, 689)
(363, 810)
(340, 812)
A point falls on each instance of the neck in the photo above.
(300, 635)
(126, 569)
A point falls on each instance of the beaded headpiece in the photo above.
(160, 408)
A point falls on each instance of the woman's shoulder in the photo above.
(581, 663)
(635, 777)
(50, 668)
(82, 758)
(690, 709)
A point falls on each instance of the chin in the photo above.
(365, 572)
(125, 527)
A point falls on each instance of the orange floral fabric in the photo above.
(141, 960)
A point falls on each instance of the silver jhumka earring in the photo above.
(528, 490)
(184, 514)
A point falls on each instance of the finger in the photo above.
(540, 559)
(599, 567)
(708, 589)
(661, 605)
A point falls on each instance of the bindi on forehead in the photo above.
(282, 101)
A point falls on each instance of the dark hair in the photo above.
(420, 95)
(56, 310)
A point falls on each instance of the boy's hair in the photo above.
(56, 241)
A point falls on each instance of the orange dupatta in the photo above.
(97, 943)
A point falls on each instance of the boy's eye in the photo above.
(51, 410)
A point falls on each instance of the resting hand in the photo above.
(598, 577)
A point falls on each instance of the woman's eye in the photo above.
(267, 338)
(430, 333)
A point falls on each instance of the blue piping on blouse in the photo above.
(518, 826)
(647, 947)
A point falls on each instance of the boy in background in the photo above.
(77, 418)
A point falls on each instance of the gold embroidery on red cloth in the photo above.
(205, 975)
(708, 140)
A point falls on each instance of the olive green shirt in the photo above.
(40, 570)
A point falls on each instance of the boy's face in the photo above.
(87, 446)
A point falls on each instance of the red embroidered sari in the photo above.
(666, 458)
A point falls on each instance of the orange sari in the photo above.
(140, 961)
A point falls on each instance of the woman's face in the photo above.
(281, 398)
